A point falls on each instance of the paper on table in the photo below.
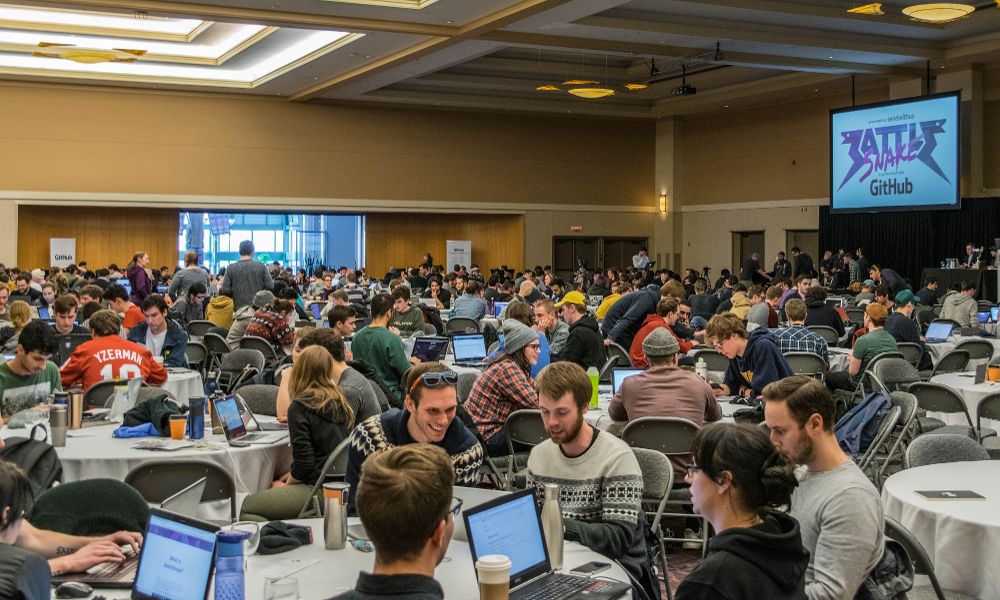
(160, 444)
(286, 567)
(946, 495)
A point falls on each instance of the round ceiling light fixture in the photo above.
(938, 12)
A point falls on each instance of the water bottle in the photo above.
(335, 515)
(196, 418)
(701, 369)
(230, 577)
(552, 525)
(58, 419)
(593, 375)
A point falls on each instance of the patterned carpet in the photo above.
(680, 563)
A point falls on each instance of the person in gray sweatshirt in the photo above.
(245, 277)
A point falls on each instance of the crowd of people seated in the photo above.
(400, 415)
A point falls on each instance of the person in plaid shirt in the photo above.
(273, 324)
(505, 386)
(797, 337)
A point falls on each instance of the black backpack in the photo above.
(37, 458)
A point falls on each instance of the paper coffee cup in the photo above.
(494, 577)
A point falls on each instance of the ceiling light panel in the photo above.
(117, 25)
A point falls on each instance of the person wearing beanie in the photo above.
(242, 316)
(585, 344)
(868, 346)
(665, 390)
(505, 386)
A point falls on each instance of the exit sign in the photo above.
(576, 228)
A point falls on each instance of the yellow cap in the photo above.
(573, 297)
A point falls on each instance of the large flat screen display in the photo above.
(900, 155)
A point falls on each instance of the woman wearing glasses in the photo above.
(505, 386)
(739, 483)
(319, 418)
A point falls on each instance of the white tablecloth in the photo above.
(962, 536)
(939, 349)
(184, 384)
(971, 392)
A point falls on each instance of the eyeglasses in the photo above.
(433, 380)
(692, 469)
(535, 346)
(456, 507)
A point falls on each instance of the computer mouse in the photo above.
(74, 589)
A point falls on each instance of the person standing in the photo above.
(188, 276)
(139, 278)
(245, 277)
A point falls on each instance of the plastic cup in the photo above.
(493, 571)
(993, 373)
(178, 423)
(286, 588)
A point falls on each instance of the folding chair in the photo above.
(465, 383)
(922, 564)
(261, 399)
(657, 481)
(989, 408)
(827, 333)
(335, 467)
(199, 328)
(936, 449)
(525, 428)
(615, 350)
(867, 461)
(911, 351)
(461, 325)
(266, 348)
(99, 394)
(977, 349)
(941, 398)
(157, 480)
(952, 362)
(217, 348)
(894, 372)
(900, 437)
(807, 363)
(197, 355)
(238, 366)
(855, 314)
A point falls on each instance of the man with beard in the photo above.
(837, 507)
(597, 473)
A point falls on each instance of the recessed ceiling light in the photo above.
(449, 22)
(725, 106)
(830, 57)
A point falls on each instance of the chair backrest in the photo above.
(262, 399)
(219, 331)
(938, 398)
(335, 467)
(895, 373)
(952, 362)
(827, 333)
(882, 356)
(943, 448)
(146, 392)
(984, 305)
(197, 355)
(215, 343)
(977, 349)
(258, 343)
(885, 430)
(624, 360)
(855, 314)
(99, 394)
(493, 348)
(921, 562)
(159, 479)
(604, 375)
(988, 408)
(907, 404)
(430, 329)
(237, 359)
(670, 435)
(923, 315)
(465, 383)
(461, 325)
(199, 328)
(525, 427)
(657, 480)
(911, 351)
(712, 357)
(806, 363)
(98, 506)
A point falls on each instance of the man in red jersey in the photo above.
(108, 357)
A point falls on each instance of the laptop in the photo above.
(317, 309)
(431, 302)
(172, 543)
(995, 314)
(186, 501)
(510, 525)
(984, 317)
(162, 289)
(430, 348)
(69, 343)
(938, 332)
(251, 422)
(498, 307)
(228, 409)
(620, 374)
(43, 313)
(469, 350)
(125, 283)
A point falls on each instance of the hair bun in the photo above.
(777, 475)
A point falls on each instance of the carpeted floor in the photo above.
(680, 563)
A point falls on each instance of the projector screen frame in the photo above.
(956, 205)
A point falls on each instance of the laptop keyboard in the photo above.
(112, 571)
(271, 426)
(557, 586)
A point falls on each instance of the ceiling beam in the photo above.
(824, 10)
(766, 87)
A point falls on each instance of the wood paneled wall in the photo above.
(399, 240)
(103, 235)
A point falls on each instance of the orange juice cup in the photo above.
(177, 425)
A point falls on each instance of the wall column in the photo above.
(667, 228)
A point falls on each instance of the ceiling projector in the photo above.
(685, 90)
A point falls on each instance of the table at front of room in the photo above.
(183, 384)
(960, 536)
(985, 280)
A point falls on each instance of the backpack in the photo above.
(857, 429)
(37, 458)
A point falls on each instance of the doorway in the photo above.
(806, 239)
(746, 243)
(593, 252)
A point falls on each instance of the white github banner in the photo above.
(458, 252)
(62, 252)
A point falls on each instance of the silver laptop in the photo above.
(186, 501)
(228, 409)
(620, 374)
(251, 422)
(469, 349)
(937, 332)
(511, 526)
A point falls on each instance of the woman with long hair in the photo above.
(319, 418)
(20, 315)
(505, 385)
(741, 485)
(140, 278)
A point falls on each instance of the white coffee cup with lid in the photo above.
(493, 571)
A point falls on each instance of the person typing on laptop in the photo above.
(405, 502)
(28, 378)
(598, 475)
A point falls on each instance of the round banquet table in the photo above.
(960, 536)
(840, 359)
(939, 349)
(91, 452)
(971, 392)
(183, 384)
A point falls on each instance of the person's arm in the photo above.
(854, 367)
(300, 438)
(396, 357)
(175, 284)
(615, 534)
(521, 391)
(713, 411)
(848, 539)
(767, 367)
(355, 458)
(72, 553)
(73, 370)
(281, 405)
(268, 281)
(616, 410)
(156, 373)
(635, 313)
(559, 342)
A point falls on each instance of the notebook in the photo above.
(430, 348)
(228, 409)
(175, 562)
(937, 332)
(186, 501)
(620, 374)
(469, 349)
(510, 525)
(498, 307)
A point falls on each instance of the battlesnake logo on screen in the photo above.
(875, 151)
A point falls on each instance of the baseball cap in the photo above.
(573, 297)
(876, 311)
(905, 297)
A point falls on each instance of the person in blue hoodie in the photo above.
(754, 359)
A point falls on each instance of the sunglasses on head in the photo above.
(436, 379)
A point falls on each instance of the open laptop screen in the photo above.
(939, 330)
(232, 419)
(621, 374)
(469, 346)
(430, 348)
(317, 310)
(177, 558)
(510, 526)
(498, 308)
(995, 314)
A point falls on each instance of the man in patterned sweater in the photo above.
(600, 484)
(428, 417)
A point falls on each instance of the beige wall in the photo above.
(541, 226)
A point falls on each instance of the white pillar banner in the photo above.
(458, 252)
(62, 252)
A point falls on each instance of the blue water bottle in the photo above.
(230, 579)
(196, 418)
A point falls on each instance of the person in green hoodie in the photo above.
(740, 483)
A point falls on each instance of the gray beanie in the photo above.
(516, 335)
(660, 342)
(263, 298)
